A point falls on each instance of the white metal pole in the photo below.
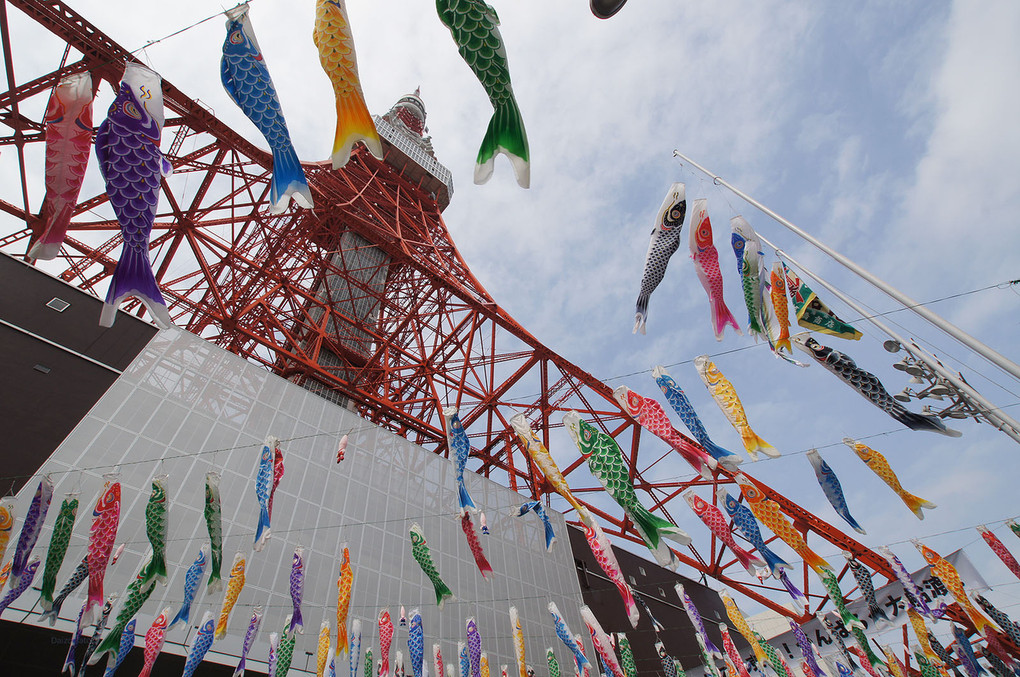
(991, 412)
(963, 337)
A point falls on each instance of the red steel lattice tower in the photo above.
(364, 299)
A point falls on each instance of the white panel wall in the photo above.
(185, 407)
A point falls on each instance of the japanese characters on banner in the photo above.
(892, 600)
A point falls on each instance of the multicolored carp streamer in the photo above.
(341, 449)
(343, 599)
(725, 396)
(834, 627)
(685, 410)
(475, 28)
(695, 616)
(948, 574)
(72, 649)
(403, 616)
(781, 310)
(603, 552)
(863, 577)
(775, 659)
(751, 266)
(16, 588)
(880, 466)
(68, 121)
(127, 147)
(999, 549)
(474, 645)
(277, 475)
(214, 524)
(334, 40)
(806, 650)
(554, 666)
(965, 651)
(847, 617)
(234, 585)
(420, 551)
(544, 460)
(668, 668)
(626, 655)
(274, 650)
(105, 520)
(484, 665)
(706, 265)
(100, 628)
(768, 512)
(127, 642)
(863, 658)
(744, 520)
(369, 663)
(31, 528)
(665, 240)
(416, 643)
(245, 76)
(460, 449)
(59, 540)
(78, 576)
(536, 507)
(465, 662)
(135, 596)
(832, 489)
(322, 649)
(156, 527)
(740, 623)
(249, 638)
(263, 484)
(868, 385)
(192, 579)
(468, 527)
(118, 551)
(437, 660)
(518, 636)
(739, 668)
(354, 652)
(913, 593)
(563, 632)
(812, 313)
(716, 523)
(297, 584)
(285, 653)
(154, 638)
(653, 418)
(200, 646)
(921, 632)
(707, 659)
(385, 639)
(1007, 624)
(607, 464)
(601, 641)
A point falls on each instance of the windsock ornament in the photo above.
(460, 448)
(706, 265)
(725, 396)
(31, 528)
(475, 28)
(812, 313)
(422, 555)
(665, 240)
(335, 42)
(878, 464)
(999, 549)
(68, 121)
(716, 523)
(832, 489)
(868, 386)
(606, 462)
(133, 167)
(245, 76)
(685, 410)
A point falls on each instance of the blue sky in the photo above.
(885, 129)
